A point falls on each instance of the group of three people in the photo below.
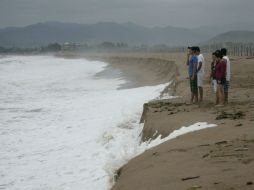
(220, 74)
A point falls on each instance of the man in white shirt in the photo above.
(227, 84)
(200, 73)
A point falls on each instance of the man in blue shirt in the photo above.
(192, 70)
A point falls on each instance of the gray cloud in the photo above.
(185, 13)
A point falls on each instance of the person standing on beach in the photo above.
(220, 75)
(188, 56)
(212, 77)
(193, 62)
(227, 83)
(200, 73)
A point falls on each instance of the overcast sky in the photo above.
(184, 13)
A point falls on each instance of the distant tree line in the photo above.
(102, 47)
(17, 50)
(235, 49)
(52, 47)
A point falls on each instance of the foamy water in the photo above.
(61, 128)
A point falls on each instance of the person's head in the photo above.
(198, 50)
(218, 55)
(224, 51)
(213, 56)
(193, 50)
(189, 50)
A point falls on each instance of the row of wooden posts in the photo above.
(234, 49)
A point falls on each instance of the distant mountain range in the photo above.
(234, 36)
(49, 32)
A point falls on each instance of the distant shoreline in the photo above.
(137, 69)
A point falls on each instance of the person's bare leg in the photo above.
(217, 96)
(216, 99)
(196, 97)
(226, 97)
(192, 97)
(221, 95)
(200, 89)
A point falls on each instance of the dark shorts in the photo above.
(226, 86)
(222, 81)
(194, 85)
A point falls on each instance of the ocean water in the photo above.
(61, 128)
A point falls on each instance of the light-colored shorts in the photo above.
(214, 85)
(200, 80)
(226, 86)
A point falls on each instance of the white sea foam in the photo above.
(182, 131)
(61, 128)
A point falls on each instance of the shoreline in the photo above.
(137, 69)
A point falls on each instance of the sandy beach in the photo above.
(214, 158)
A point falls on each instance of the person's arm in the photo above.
(188, 59)
(220, 73)
(194, 70)
(211, 72)
(199, 66)
(224, 69)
